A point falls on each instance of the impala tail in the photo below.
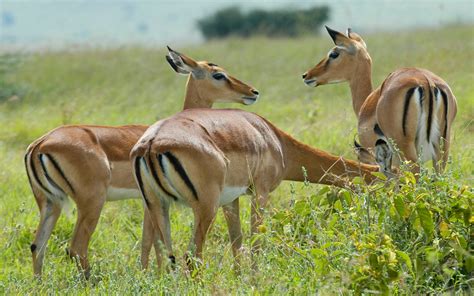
(164, 174)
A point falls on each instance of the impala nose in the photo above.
(255, 92)
(304, 75)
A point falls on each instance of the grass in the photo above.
(311, 243)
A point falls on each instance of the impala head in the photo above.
(342, 61)
(208, 83)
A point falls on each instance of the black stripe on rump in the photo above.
(35, 175)
(48, 177)
(445, 102)
(138, 175)
(182, 173)
(27, 171)
(408, 96)
(157, 180)
(58, 168)
(430, 115)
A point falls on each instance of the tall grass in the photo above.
(316, 239)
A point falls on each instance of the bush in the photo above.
(409, 237)
(283, 22)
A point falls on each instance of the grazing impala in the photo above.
(207, 158)
(413, 107)
(91, 163)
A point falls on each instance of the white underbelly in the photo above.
(115, 193)
(230, 193)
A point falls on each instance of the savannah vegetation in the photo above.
(392, 238)
(232, 21)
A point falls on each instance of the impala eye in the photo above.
(333, 54)
(218, 76)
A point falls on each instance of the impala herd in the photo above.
(207, 158)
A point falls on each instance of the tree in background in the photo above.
(232, 21)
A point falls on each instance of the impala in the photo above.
(413, 107)
(208, 158)
(90, 164)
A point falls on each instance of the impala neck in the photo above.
(361, 83)
(193, 98)
(321, 167)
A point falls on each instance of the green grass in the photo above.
(332, 242)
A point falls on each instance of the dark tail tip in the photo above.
(33, 248)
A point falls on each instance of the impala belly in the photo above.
(115, 193)
(230, 193)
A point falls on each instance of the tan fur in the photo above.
(219, 149)
(385, 105)
(94, 159)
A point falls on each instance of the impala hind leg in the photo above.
(204, 215)
(49, 212)
(232, 217)
(159, 214)
(88, 214)
(259, 203)
(442, 156)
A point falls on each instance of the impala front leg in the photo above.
(148, 237)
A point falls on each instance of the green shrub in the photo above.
(406, 237)
(282, 22)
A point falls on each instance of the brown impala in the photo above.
(413, 107)
(208, 158)
(91, 164)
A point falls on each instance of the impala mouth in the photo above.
(249, 100)
(310, 82)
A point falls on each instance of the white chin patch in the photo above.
(249, 101)
(335, 81)
(311, 83)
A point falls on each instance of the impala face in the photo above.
(341, 61)
(212, 81)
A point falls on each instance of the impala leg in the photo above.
(147, 238)
(87, 218)
(203, 218)
(159, 213)
(441, 162)
(410, 154)
(49, 212)
(232, 217)
(259, 203)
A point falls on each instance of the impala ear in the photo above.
(356, 37)
(338, 38)
(183, 64)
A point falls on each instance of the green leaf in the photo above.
(426, 219)
(302, 208)
(399, 204)
(317, 253)
(338, 205)
(380, 175)
(404, 256)
(357, 181)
